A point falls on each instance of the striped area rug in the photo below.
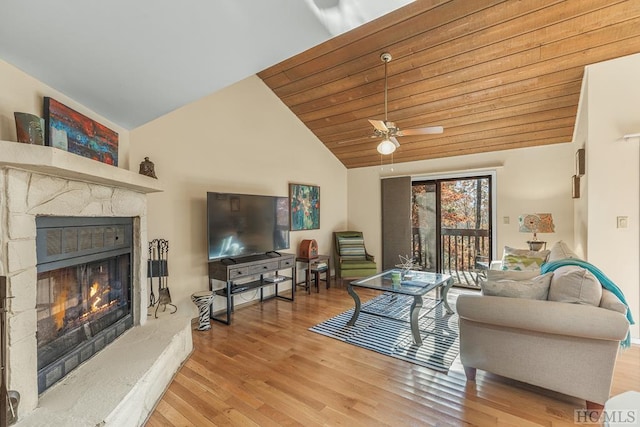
(383, 326)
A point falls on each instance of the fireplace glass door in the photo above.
(83, 296)
(76, 303)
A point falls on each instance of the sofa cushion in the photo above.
(576, 285)
(561, 251)
(612, 302)
(534, 288)
(523, 259)
(357, 264)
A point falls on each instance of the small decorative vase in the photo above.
(29, 128)
(203, 301)
(147, 168)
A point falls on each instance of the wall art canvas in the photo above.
(304, 207)
(29, 128)
(74, 132)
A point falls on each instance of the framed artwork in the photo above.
(76, 133)
(304, 207)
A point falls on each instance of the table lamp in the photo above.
(536, 223)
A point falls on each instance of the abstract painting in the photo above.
(74, 132)
(304, 204)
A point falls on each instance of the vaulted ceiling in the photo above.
(496, 74)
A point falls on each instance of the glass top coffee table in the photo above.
(412, 283)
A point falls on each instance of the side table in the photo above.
(315, 267)
(203, 301)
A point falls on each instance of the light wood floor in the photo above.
(267, 369)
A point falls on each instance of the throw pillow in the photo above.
(352, 248)
(534, 288)
(576, 285)
(523, 259)
(561, 251)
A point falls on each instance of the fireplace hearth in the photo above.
(83, 290)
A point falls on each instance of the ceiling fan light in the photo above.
(386, 147)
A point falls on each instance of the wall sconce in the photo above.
(580, 162)
(536, 223)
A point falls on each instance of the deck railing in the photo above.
(465, 255)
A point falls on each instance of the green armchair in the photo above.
(352, 259)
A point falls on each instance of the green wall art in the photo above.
(304, 205)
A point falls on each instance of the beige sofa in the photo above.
(570, 348)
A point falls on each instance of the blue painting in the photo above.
(76, 133)
(304, 204)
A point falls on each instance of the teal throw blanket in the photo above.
(602, 278)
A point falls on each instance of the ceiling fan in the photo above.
(388, 130)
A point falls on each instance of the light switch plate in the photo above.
(622, 221)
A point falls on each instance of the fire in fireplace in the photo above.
(83, 290)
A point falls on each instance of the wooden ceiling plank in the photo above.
(339, 42)
(528, 140)
(492, 96)
(475, 113)
(466, 91)
(515, 133)
(485, 141)
(497, 75)
(511, 127)
(483, 77)
(482, 60)
(455, 38)
(364, 54)
(503, 31)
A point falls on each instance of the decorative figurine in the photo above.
(147, 168)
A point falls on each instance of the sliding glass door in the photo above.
(451, 227)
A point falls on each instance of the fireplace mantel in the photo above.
(58, 163)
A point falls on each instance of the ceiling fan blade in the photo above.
(379, 124)
(395, 141)
(421, 131)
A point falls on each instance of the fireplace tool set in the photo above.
(157, 268)
(9, 399)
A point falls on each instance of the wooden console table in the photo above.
(250, 273)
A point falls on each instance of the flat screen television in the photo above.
(246, 224)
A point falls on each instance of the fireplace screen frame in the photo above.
(69, 242)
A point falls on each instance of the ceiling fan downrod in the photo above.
(386, 58)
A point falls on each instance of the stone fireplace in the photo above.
(87, 303)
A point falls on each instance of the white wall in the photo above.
(581, 204)
(529, 180)
(612, 172)
(242, 139)
(20, 92)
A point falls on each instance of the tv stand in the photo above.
(248, 274)
(273, 254)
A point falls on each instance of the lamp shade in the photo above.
(536, 223)
(386, 147)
